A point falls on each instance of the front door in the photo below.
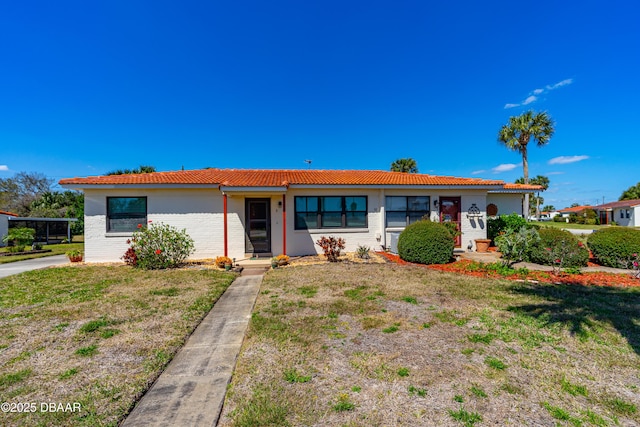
(450, 212)
(258, 226)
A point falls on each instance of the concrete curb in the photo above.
(190, 392)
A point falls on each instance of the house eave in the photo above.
(137, 186)
(502, 191)
(393, 187)
(231, 189)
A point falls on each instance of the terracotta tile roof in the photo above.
(7, 213)
(575, 209)
(510, 186)
(279, 178)
(619, 204)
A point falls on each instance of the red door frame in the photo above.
(457, 201)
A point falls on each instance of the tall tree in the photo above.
(139, 169)
(17, 193)
(520, 130)
(631, 193)
(548, 208)
(407, 165)
(542, 181)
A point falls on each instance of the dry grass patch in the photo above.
(95, 335)
(382, 344)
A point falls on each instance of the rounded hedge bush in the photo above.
(426, 242)
(615, 246)
(556, 244)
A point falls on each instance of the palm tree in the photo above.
(543, 182)
(407, 165)
(517, 134)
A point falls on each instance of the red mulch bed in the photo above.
(470, 268)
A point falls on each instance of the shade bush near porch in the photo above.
(615, 246)
(426, 242)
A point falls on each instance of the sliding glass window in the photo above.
(404, 210)
(330, 212)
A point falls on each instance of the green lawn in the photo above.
(95, 336)
(383, 344)
(568, 225)
(55, 250)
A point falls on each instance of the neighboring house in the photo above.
(48, 230)
(624, 212)
(578, 210)
(4, 225)
(244, 213)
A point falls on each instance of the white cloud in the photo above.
(478, 172)
(563, 160)
(533, 98)
(505, 167)
(560, 84)
(4, 168)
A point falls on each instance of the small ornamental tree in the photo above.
(331, 247)
(158, 246)
(20, 237)
(426, 242)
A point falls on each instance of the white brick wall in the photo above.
(200, 212)
(197, 211)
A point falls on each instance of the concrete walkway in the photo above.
(12, 268)
(190, 392)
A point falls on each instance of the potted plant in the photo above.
(223, 261)
(74, 255)
(482, 245)
(227, 266)
(274, 262)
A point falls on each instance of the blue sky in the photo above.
(89, 87)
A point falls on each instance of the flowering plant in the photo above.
(158, 246)
(560, 254)
(281, 259)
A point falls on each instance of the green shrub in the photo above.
(587, 216)
(426, 242)
(615, 246)
(514, 245)
(559, 218)
(558, 248)
(504, 223)
(160, 246)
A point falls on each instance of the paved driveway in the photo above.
(31, 264)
